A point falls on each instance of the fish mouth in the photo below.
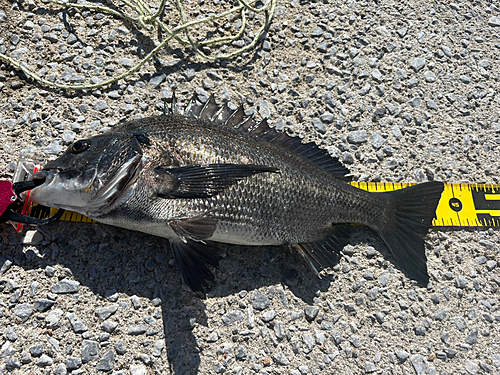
(53, 191)
(39, 178)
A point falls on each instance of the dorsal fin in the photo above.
(236, 119)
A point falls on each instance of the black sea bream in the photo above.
(212, 175)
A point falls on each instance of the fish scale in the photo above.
(197, 183)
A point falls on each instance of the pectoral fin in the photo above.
(197, 228)
(204, 181)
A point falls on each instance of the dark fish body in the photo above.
(198, 181)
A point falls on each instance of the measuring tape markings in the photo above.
(461, 205)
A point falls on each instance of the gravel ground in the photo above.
(399, 91)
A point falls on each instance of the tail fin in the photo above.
(413, 209)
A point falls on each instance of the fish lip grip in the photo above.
(10, 202)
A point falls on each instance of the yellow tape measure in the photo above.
(461, 205)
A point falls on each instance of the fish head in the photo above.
(92, 175)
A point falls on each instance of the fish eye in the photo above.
(80, 146)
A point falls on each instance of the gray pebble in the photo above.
(320, 337)
(127, 63)
(53, 318)
(241, 353)
(11, 335)
(357, 136)
(12, 364)
(120, 347)
(5, 265)
(308, 343)
(107, 361)
(377, 75)
(7, 350)
(461, 282)
(213, 337)
(104, 313)
(382, 279)
(281, 359)
(465, 79)
(327, 118)
(460, 323)
(370, 367)
(471, 338)
(494, 21)
(66, 286)
(355, 341)
(441, 315)
(43, 305)
(36, 350)
(90, 351)
(68, 137)
(100, 105)
(268, 316)
(318, 125)
(279, 330)
(157, 79)
(60, 369)
(402, 355)
(23, 311)
(415, 102)
(138, 370)
(114, 95)
(51, 37)
(491, 265)
(53, 149)
(396, 131)
(418, 64)
(429, 76)
(25, 357)
(418, 364)
(137, 330)
(233, 317)
(451, 353)
(377, 141)
(420, 330)
(76, 324)
(471, 367)
(311, 312)
(45, 361)
(158, 348)
(259, 301)
(365, 89)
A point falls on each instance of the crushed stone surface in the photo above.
(400, 91)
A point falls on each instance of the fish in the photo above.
(211, 174)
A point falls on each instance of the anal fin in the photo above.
(326, 253)
(192, 259)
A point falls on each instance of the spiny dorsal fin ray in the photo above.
(210, 111)
(247, 125)
(223, 115)
(236, 117)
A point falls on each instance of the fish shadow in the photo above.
(109, 260)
